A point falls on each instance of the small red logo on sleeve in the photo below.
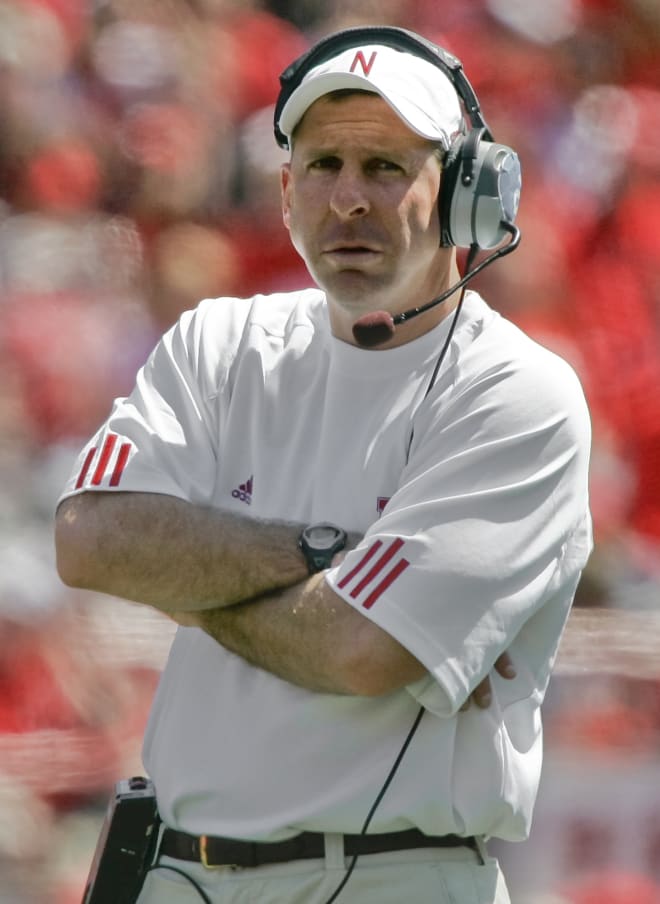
(377, 570)
(108, 463)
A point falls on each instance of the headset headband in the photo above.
(399, 39)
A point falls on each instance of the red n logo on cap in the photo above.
(359, 58)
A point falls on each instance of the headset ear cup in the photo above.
(483, 192)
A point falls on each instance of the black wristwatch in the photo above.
(319, 543)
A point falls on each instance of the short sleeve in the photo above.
(163, 437)
(489, 525)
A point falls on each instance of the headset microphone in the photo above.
(377, 327)
(373, 329)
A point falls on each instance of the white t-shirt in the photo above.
(473, 504)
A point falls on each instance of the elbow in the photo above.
(68, 570)
(68, 559)
(365, 679)
(73, 540)
(355, 681)
(375, 665)
(368, 683)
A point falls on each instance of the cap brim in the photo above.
(309, 92)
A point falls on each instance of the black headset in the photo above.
(481, 179)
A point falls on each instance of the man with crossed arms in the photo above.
(306, 661)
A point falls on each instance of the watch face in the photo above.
(319, 542)
(322, 535)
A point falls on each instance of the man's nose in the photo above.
(349, 197)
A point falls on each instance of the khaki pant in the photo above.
(432, 876)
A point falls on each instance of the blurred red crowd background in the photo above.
(139, 174)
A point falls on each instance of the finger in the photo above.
(504, 666)
(483, 694)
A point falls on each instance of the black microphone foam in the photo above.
(373, 329)
(377, 327)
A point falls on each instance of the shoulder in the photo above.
(503, 390)
(274, 314)
(219, 330)
(500, 358)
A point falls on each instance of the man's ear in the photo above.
(285, 187)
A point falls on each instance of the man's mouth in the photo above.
(351, 250)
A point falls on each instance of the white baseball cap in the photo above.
(421, 94)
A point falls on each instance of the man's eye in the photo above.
(385, 166)
(325, 163)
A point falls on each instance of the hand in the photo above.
(482, 695)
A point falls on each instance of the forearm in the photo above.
(170, 554)
(309, 636)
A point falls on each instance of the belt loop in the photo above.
(334, 850)
(482, 850)
(160, 829)
(203, 853)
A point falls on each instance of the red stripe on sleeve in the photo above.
(106, 452)
(85, 468)
(363, 561)
(389, 578)
(120, 464)
(391, 550)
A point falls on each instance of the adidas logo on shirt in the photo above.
(244, 491)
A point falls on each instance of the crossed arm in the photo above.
(244, 582)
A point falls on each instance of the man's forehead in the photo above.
(363, 111)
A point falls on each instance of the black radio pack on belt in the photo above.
(126, 844)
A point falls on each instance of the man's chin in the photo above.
(353, 290)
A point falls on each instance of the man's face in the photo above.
(359, 198)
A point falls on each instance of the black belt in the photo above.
(212, 851)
